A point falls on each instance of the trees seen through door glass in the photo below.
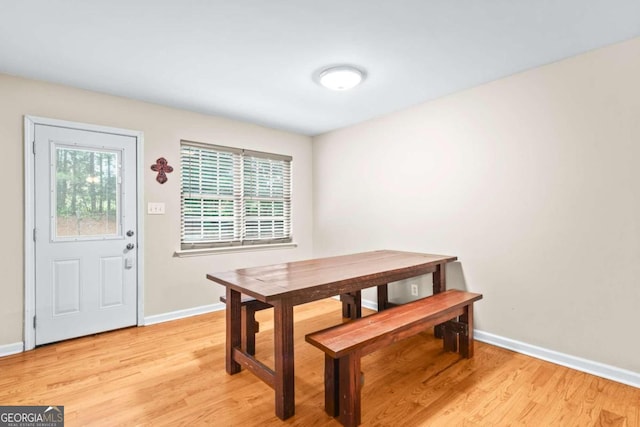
(86, 196)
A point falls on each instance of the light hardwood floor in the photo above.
(173, 374)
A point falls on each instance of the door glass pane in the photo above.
(86, 187)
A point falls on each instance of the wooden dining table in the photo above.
(289, 284)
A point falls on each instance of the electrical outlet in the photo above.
(414, 290)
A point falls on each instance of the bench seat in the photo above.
(345, 344)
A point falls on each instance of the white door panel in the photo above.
(85, 203)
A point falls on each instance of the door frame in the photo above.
(30, 123)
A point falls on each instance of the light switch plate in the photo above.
(155, 208)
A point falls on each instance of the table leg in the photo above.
(284, 368)
(439, 278)
(383, 297)
(234, 329)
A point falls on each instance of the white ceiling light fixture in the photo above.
(341, 77)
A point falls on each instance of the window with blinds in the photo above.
(233, 197)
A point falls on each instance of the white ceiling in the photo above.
(253, 60)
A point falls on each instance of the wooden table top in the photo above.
(319, 278)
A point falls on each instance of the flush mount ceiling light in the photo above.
(342, 77)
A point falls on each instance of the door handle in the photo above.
(130, 246)
(130, 233)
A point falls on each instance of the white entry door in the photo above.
(85, 232)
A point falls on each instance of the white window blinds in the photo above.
(233, 197)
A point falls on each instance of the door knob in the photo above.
(130, 246)
(130, 233)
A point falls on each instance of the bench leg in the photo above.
(349, 389)
(249, 326)
(450, 340)
(249, 330)
(458, 333)
(331, 386)
(346, 307)
(352, 305)
(466, 340)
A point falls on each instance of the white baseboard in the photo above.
(9, 349)
(372, 305)
(594, 368)
(181, 314)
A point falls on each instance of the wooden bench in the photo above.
(250, 327)
(345, 344)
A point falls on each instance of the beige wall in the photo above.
(532, 180)
(170, 283)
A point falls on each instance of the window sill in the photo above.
(231, 249)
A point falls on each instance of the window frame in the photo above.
(240, 237)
